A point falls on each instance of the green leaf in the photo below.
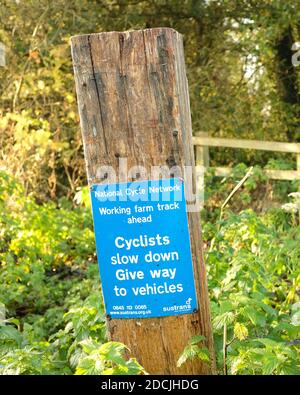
(193, 350)
(221, 320)
(254, 315)
(270, 364)
(196, 339)
(240, 331)
(113, 351)
(9, 333)
(90, 366)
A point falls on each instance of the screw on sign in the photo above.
(135, 119)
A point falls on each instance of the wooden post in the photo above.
(133, 102)
(202, 162)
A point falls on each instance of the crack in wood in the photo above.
(97, 91)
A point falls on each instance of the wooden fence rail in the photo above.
(247, 144)
(202, 142)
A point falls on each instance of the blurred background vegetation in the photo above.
(242, 85)
(239, 62)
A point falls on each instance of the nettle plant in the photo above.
(52, 315)
(254, 281)
(254, 278)
(51, 310)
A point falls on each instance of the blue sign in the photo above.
(143, 248)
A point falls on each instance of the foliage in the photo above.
(234, 65)
(50, 290)
(257, 192)
(40, 245)
(194, 350)
(254, 281)
(107, 359)
(254, 278)
(242, 84)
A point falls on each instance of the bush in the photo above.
(51, 292)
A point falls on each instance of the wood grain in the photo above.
(133, 102)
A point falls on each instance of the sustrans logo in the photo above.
(186, 306)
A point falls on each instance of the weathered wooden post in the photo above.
(133, 102)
